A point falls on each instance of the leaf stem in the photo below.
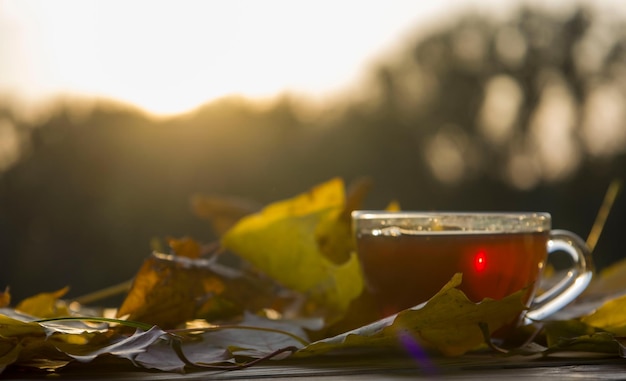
(603, 213)
(250, 327)
(105, 293)
(127, 323)
(176, 345)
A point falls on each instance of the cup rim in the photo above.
(420, 222)
(377, 213)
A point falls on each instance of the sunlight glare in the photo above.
(170, 57)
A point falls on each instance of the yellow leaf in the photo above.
(334, 235)
(559, 330)
(449, 323)
(10, 327)
(282, 241)
(610, 281)
(393, 206)
(611, 316)
(45, 305)
(9, 352)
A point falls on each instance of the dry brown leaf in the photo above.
(167, 291)
(185, 247)
(170, 290)
(222, 211)
(5, 298)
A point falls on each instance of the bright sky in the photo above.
(169, 57)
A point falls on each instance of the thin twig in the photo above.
(177, 346)
(603, 213)
(127, 323)
(248, 327)
(117, 289)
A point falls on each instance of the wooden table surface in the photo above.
(380, 367)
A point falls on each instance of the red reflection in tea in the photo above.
(406, 270)
(480, 261)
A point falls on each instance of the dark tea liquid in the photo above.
(406, 270)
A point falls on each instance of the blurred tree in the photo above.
(515, 100)
(526, 113)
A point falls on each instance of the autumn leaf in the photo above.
(168, 291)
(45, 305)
(393, 206)
(126, 347)
(16, 338)
(162, 356)
(610, 281)
(282, 241)
(11, 327)
(334, 235)
(50, 345)
(448, 323)
(5, 298)
(611, 316)
(557, 331)
(577, 336)
(254, 337)
(9, 352)
(185, 247)
(257, 336)
(222, 211)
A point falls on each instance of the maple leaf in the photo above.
(282, 240)
(448, 323)
(168, 291)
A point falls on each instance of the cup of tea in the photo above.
(407, 257)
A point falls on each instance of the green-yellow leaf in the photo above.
(557, 331)
(9, 352)
(283, 241)
(10, 327)
(610, 281)
(12, 332)
(576, 336)
(611, 316)
(449, 323)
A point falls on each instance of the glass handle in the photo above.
(573, 283)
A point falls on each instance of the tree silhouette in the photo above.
(519, 114)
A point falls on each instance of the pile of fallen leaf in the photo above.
(285, 282)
